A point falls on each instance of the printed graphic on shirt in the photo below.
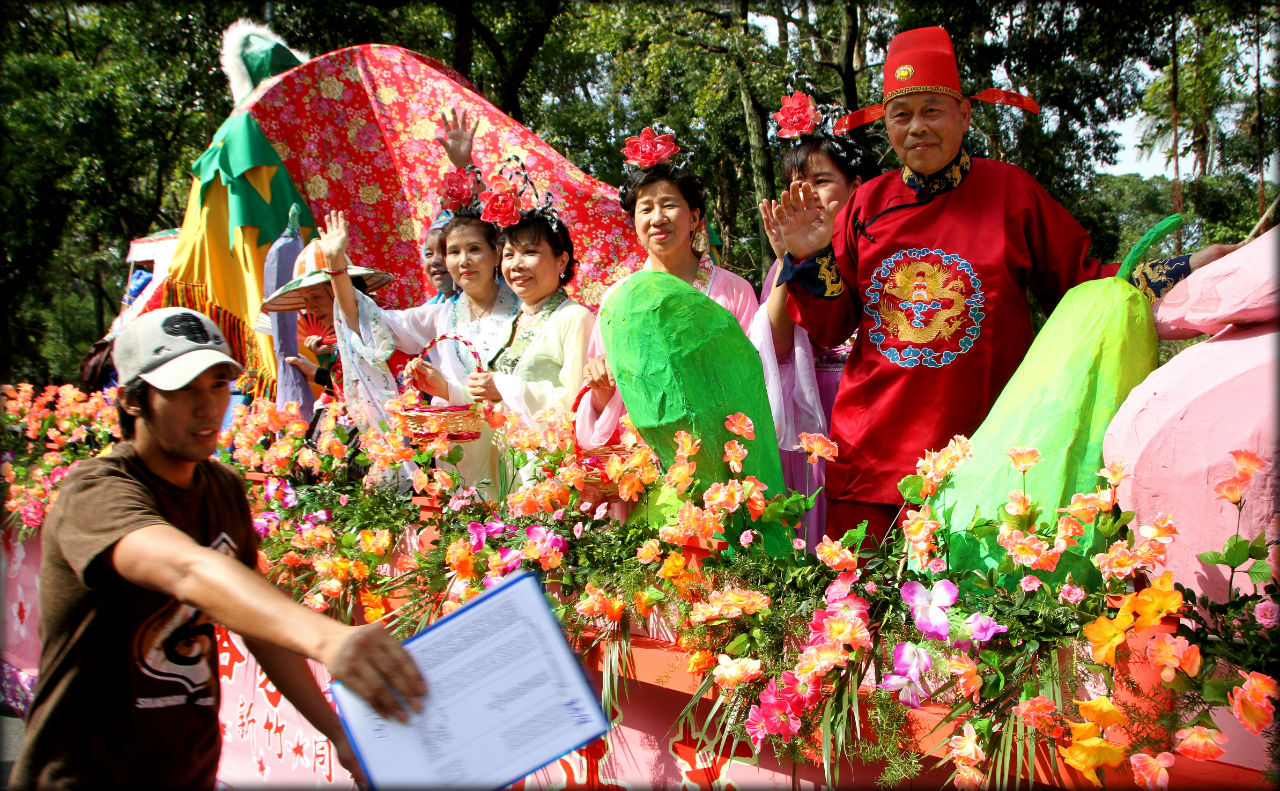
(925, 307)
(175, 651)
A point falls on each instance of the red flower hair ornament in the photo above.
(649, 148)
(501, 203)
(799, 116)
(457, 189)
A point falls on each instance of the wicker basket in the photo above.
(459, 423)
(593, 461)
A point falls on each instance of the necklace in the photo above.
(471, 307)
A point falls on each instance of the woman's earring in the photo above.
(701, 242)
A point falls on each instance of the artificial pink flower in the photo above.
(929, 606)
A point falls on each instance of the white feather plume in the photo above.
(233, 65)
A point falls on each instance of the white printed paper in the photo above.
(505, 696)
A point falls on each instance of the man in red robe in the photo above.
(930, 264)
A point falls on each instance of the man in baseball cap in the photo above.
(148, 548)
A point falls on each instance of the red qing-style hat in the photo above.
(923, 61)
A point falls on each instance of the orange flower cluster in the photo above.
(539, 497)
(1089, 750)
(595, 602)
(935, 466)
(1150, 605)
(1041, 714)
(460, 560)
(918, 529)
(964, 751)
(1234, 488)
(48, 434)
(691, 522)
(633, 472)
(729, 603)
(1251, 701)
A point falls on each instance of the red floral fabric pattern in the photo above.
(355, 129)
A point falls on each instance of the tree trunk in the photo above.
(463, 35)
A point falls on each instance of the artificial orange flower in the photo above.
(1247, 463)
(835, 555)
(1041, 714)
(1089, 754)
(1118, 562)
(1161, 530)
(734, 453)
(1200, 743)
(375, 606)
(1106, 634)
(1082, 508)
(1170, 653)
(673, 566)
(1151, 773)
(1023, 458)
(1232, 490)
(848, 630)
(460, 559)
(680, 475)
(1251, 704)
(964, 748)
(1102, 712)
(730, 672)
(968, 778)
(1019, 503)
(374, 542)
(331, 588)
(741, 425)
(700, 661)
(1154, 603)
(725, 497)
(648, 551)
(817, 446)
(1114, 472)
(686, 445)
(965, 670)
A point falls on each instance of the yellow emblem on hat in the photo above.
(904, 72)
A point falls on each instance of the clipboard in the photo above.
(506, 696)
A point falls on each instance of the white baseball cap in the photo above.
(169, 347)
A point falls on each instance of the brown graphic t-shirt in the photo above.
(128, 689)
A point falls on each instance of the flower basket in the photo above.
(456, 423)
(594, 461)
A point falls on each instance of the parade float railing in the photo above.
(862, 655)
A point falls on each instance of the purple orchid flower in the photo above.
(981, 628)
(318, 517)
(265, 522)
(510, 561)
(279, 489)
(481, 531)
(910, 662)
(929, 606)
(545, 539)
